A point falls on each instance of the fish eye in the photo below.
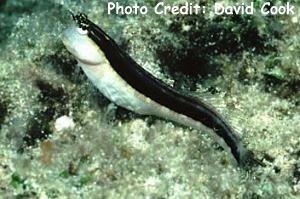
(82, 31)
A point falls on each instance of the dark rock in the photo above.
(207, 39)
(54, 100)
(3, 111)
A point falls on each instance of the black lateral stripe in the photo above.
(145, 83)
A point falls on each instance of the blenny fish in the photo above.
(127, 84)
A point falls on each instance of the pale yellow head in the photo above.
(81, 46)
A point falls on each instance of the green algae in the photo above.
(17, 181)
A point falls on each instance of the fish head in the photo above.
(81, 46)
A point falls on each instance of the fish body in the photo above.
(128, 85)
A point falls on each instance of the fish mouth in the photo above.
(72, 49)
(86, 63)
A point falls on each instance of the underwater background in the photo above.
(61, 138)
